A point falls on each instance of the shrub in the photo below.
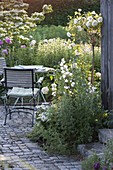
(25, 56)
(71, 119)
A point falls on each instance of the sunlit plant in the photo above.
(90, 23)
(15, 24)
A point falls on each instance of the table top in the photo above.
(37, 68)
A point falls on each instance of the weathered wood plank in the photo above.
(107, 54)
(104, 53)
(110, 53)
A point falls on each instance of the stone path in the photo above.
(17, 152)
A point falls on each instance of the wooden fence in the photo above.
(106, 9)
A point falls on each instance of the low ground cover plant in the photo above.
(100, 163)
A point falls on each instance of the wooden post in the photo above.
(107, 54)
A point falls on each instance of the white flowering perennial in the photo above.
(15, 22)
(45, 90)
(85, 22)
(42, 114)
(54, 89)
(65, 82)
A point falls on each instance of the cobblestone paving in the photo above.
(17, 152)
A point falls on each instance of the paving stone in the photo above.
(105, 135)
(17, 150)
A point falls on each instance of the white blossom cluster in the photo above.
(66, 80)
(15, 21)
(43, 115)
(85, 22)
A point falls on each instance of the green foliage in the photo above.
(48, 32)
(105, 162)
(25, 56)
(86, 51)
(88, 164)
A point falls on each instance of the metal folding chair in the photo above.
(20, 85)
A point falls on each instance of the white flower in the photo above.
(72, 84)
(79, 10)
(62, 71)
(77, 52)
(79, 28)
(33, 42)
(66, 80)
(43, 117)
(45, 90)
(45, 41)
(90, 18)
(68, 34)
(88, 23)
(75, 21)
(30, 36)
(100, 19)
(89, 79)
(53, 85)
(74, 65)
(89, 83)
(65, 67)
(70, 47)
(66, 87)
(64, 76)
(98, 74)
(93, 12)
(62, 60)
(40, 79)
(21, 36)
(70, 74)
(92, 90)
(94, 23)
(53, 93)
(73, 44)
(67, 73)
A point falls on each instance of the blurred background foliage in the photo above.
(62, 9)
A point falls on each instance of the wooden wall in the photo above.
(107, 54)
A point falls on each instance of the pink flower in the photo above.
(1, 42)
(23, 46)
(5, 51)
(8, 40)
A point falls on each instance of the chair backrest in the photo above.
(15, 77)
(2, 65)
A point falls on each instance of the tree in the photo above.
(15, 24)
(90, 23)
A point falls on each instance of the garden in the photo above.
(75, 113)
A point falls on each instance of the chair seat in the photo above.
(22, 92)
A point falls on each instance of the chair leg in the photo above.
(9, 114)
(33, 119)
(6, 113)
